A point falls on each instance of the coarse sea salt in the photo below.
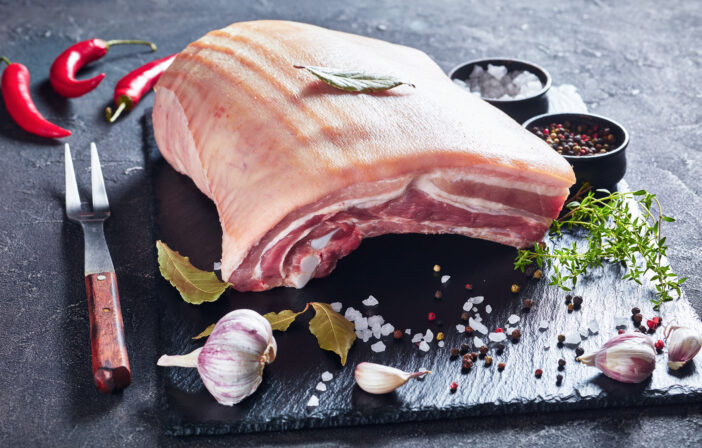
(408, 331)
(378, 347)
(336, 306)
(488, 309)
(376, 332)
(375, 321)
(477, 342)
(366, 334)
(417, 337)
(477, 326)
(477, 300)
(370, 301)
(461, 328)
(327, 376)
(445, 278)
(423, 346)
(441, 344)
(498, 83)
(429, 336)
(467, 306)
(513, 319)
(497, 337)
(361, 324)
(313, 402)
(386, 329)
(572, 339)
(350, 313)
(321, 387)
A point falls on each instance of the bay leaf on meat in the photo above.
(332, 330)
(355, 81)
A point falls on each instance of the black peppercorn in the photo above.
(579, 351)
(569, 298)
(528, 303)
(464, 316)
(516, 334)
(642, 329)
(483, 350)
(635, 310)
(500, 347)
(454, 352)
(638, 317)
(464, 348)
(561, 338)
(577, 300)
(473, 356)
(561, 363)
(559, 378)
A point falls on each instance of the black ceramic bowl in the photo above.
(600, 170)
(520, 109)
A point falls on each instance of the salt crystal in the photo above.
(477, 342)
(217, 265)
(593, 327)
(378, 347)
(361, 324)
(441, 344)
(321, 387)
(584, 333)
(429, 336)
(370, 301)
(509, 330)
(497, 337)
(327, 376)
(497, 71)
(417, 337)
(423, 346)
(461, 328)
(408, 331)
(376, 332)
(621, 322)
(367, 333)
(375, 321)
(477, 317)
(336, 306)
(477, 326)
(543, 325)
(477, 72)
(513, 319)
(350, 313)
(445, 278)
(476, 300)
(313, 402)
(467, 306)
(386, 329)
(359, 334)
(572, 339)
(488, 309)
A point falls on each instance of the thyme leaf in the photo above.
(354, 81)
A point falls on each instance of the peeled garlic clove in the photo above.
(683, 345)
(232, 360)
(628, 357)
(379, 379)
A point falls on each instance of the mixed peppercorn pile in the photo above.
(577, 140)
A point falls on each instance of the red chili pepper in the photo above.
(18, 101)
(63, 71)
(135, 84)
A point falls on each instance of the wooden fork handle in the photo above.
(111, 370)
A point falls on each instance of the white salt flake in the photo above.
(477, 317)
(621, 322)
(376, 333)
(313, 401)
(417, 337)
(572, 339)
(513, 319)
(336, 306)
(375, 321)
(367, 333)
(350, 313)
(543, 325)
(584, 333)
(509, 330)
(423, 346)
(408, 331)
(327, 376)
(217, 266)
(477, 342)
(477, 326)
(477, 300)
(370, 301)
(441, 344)
(497, 337)
(361, 324)
(467, 306)
(378, 347)
(593, 327)
(497, 71)
(488, 309)
(387, 329)
(445, 278)
(461, 328)
(429, 336)
(321, 387)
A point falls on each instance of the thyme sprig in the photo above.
(613, 233)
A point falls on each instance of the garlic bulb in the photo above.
(379, 379)
(232, 360)
(628, 357)
(683, 345)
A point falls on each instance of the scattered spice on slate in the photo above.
(474, 356)
(501, 366)
(579, 351)
(469, 286)
(638, 317)
(397, 334)
(642, 329)
(659, 345)
(559, 379)
(440, 336)
(431, 316)
(561, 363)
(577, 140)
(488, 361)
(561, 338)
(483, 349)
(467, 362)
(635, 310)
(465, 316)
(538, 274)
(464, 348)
(570, 307)
(453, 387)
(621, 331)
(528, 303)
(437, 268)
(454, 352)
(577, 300)
(516, 334)
(499, 330)
(469, 330)
(569, 298)
(514, 288)
(500, 348)
(438, 294)
(652, 324)
(538, 373)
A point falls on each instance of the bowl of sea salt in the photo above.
(516, 87)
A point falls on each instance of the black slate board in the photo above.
(398, 271)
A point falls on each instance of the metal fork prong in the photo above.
(100, 203)
(72, 196)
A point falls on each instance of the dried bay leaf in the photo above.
(333, 332)
(206, 332)
(282, 320)
(194, 285)
(354, 81)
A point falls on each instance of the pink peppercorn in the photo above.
(431, 316)
(660, 344)
(499, 330)
(453, 386)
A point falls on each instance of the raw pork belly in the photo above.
(301, 172)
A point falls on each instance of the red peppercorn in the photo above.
(499, 330)
(454, 386)
(469, 286)
(538, 373)
(620, 331)
(651, 324)
(431, 316)
(660, 344)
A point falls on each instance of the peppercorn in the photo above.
(642, 329)
(464, 348)
(569, 298)
(638, 317)
(621, 331)
(577, 300)
(538, 274)
(659, 345)
(500, 347)
(467, 363)
(454, 352)
(501, 366)
(514, 288)
(516, 334)
(570, 307)
(579, 351)
(438, 294)
(589, 139)
(397, 334)
(431, 316)
(561, 338)
(561, 363)
(469, 286)
(488, 361)
(453, 387)
(437, 268)
(473, 356)
(635, 310)
(559, 379)
(538, 373)
(465, 316)
(528, 303)
(483, 349)
(469, 330)
(499, 330)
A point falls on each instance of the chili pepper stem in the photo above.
(112, 117)
(5, 60)
(110, 43)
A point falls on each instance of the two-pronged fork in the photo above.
(111, 370)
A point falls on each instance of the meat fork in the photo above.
(111, 370)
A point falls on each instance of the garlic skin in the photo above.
(683, 345)
(379, 379)
(232, 360)
(628, 357)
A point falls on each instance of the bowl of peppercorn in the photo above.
(593, 145)
(517, 88)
